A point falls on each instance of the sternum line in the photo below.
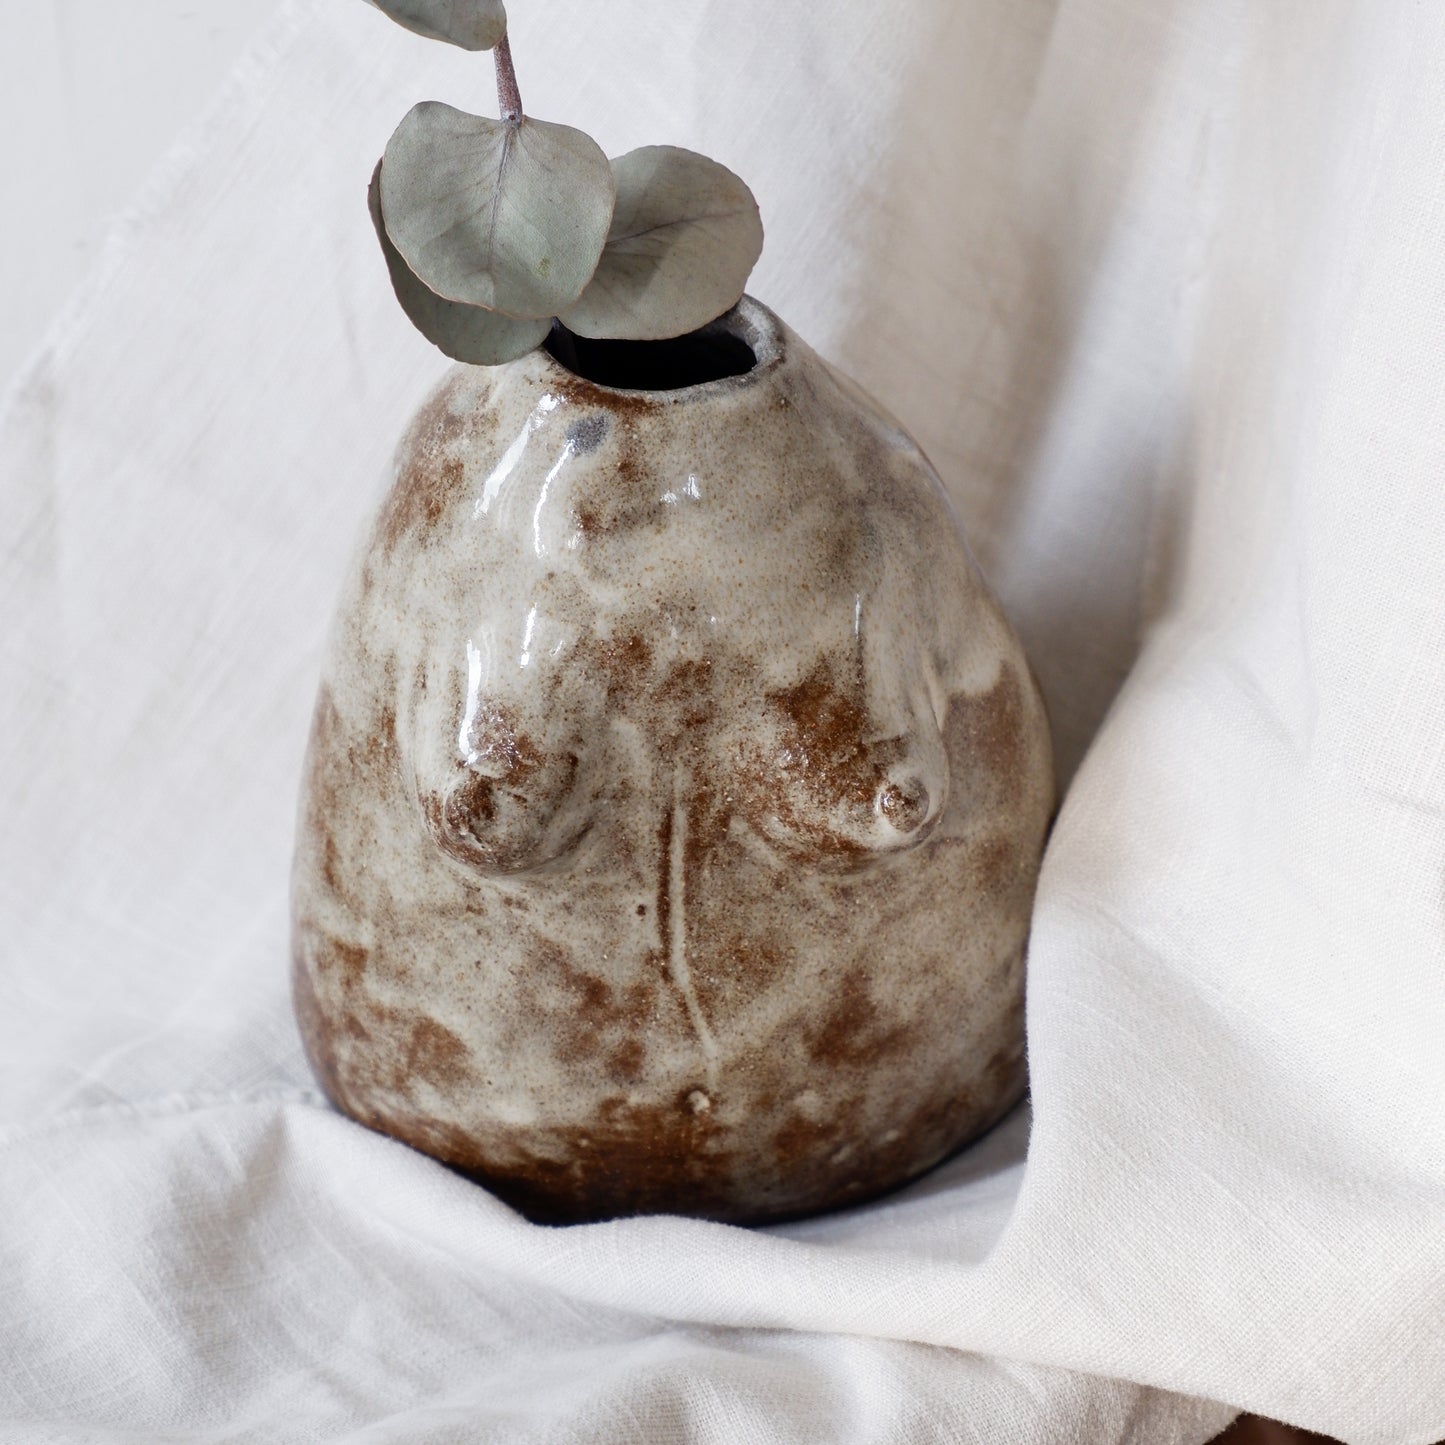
(677, 926)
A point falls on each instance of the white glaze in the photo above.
(675, 799)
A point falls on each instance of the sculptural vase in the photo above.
(674, 800)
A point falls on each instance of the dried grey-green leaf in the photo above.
(511, 215)
(685, 236)
(472, 24)
(465, 333)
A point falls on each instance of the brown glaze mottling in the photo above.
(674, 800)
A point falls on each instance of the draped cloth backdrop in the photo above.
(1159, 289)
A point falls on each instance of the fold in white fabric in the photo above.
(1159, 290)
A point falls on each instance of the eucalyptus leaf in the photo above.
(685, 236)
(465, 333)
(511, 215)
(472, 24)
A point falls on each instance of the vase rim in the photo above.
(757, 326)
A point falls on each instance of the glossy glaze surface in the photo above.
(674, 800)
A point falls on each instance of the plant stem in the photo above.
(509, 98)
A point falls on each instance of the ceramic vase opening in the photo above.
(714, 352)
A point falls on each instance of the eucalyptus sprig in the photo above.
(492, 229)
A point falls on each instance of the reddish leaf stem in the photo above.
(509, 98)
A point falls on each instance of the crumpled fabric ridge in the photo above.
(1156, 290)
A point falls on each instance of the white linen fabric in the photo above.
(1159, 289)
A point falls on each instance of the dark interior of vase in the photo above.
(706, 355)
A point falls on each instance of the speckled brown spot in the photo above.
(379, 748)
(704, 825)
(824, 742)
(685, 697)
(639, 1004)
(330, 872)
(588, 994)
(621, 1163)
(621, 406)
(804, 1142)
(349, 960)
(736, 966)
(989, 731)
(430, 480)
(854, 1030)
(624, 1063)
(629, 503)
(625, 662)
(498, 741)
(997, 867)
(434, 1053)
(589, 520)
(822, 775)
(582, 1011)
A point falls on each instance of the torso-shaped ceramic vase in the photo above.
(674, 800)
